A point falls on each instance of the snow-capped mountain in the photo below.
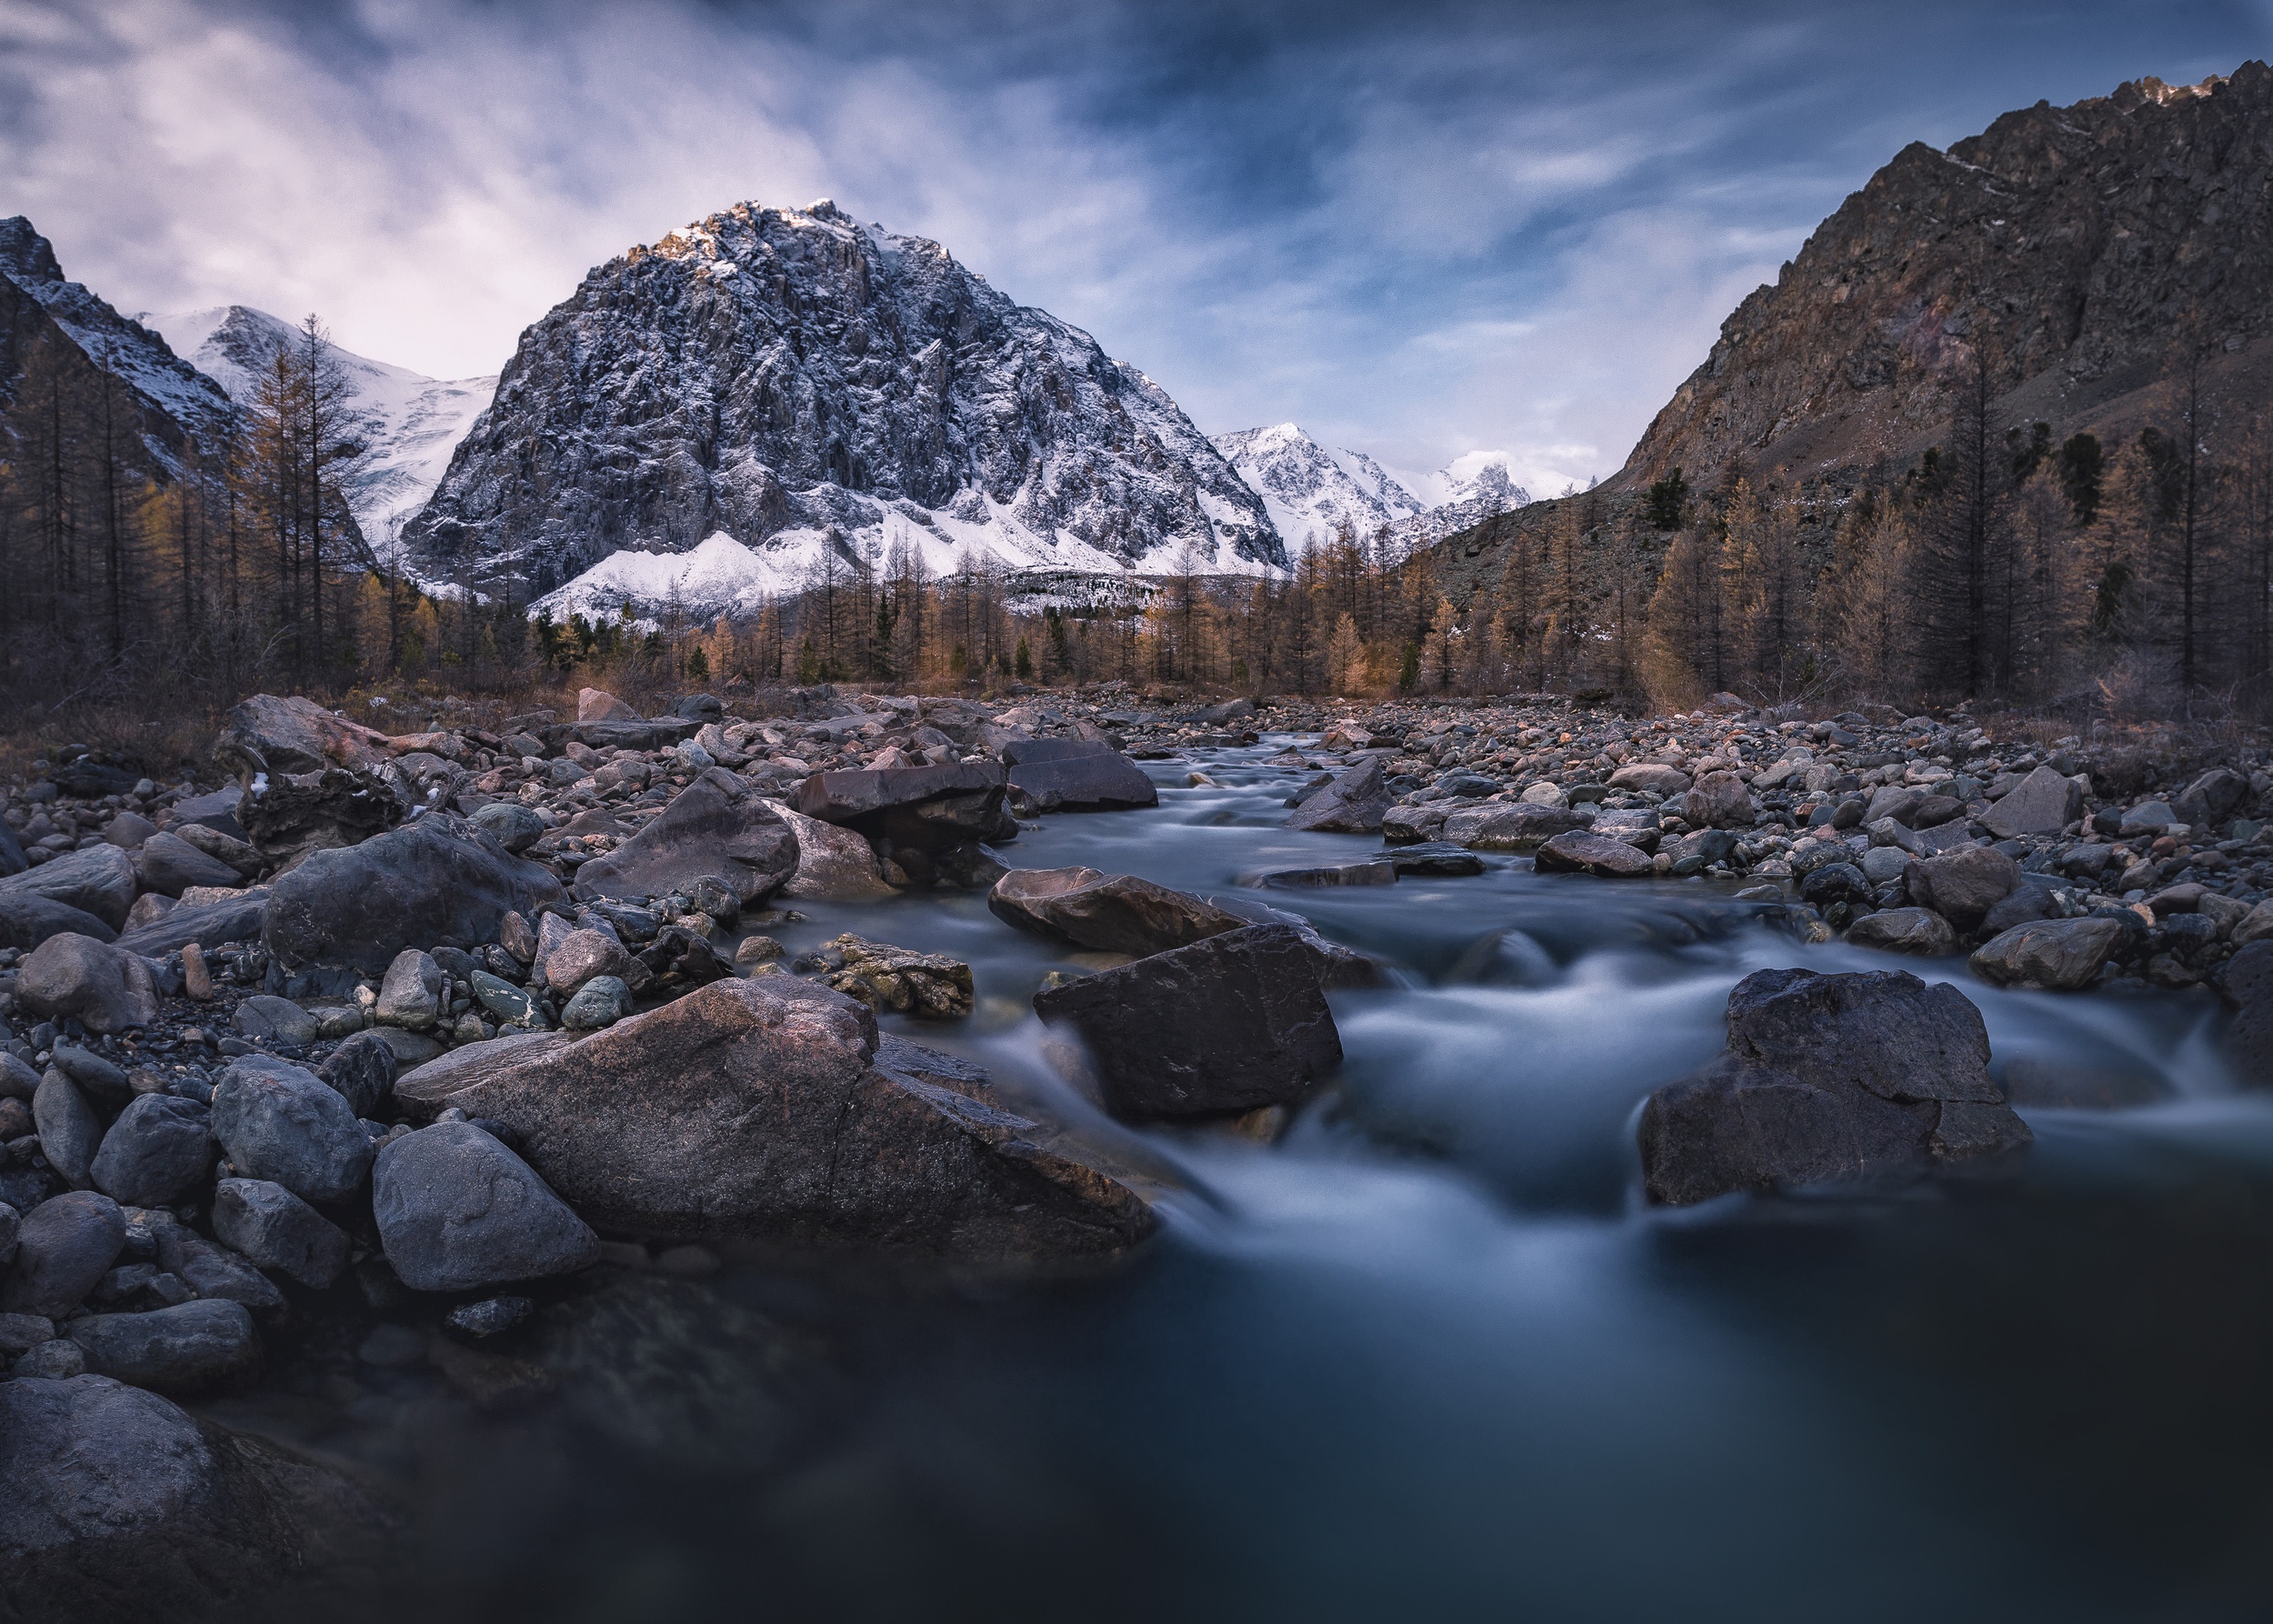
(178, 411)
(1311, 491)
(412, 423)
(713, 415)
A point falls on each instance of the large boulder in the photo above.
(1230, 1023)
(178, 1350)
(70, 1132)
(1719, 801)
(274, 1228)
(1506, 825)
(755, 1108)
(291, 814)
(121, 1509)
(1918, 930)
(898, 981)
(99, 880)
(458, 1211)
(597, 705)
(158, 1150)
(1074, 775)
(278, 1122)
(209, 924)
(437, 882)
(1577, 852)
(1650, 777)
(833, 864)
(103, 985)
(1116, 913)
(583, 955)
(1353, 804)
(2211, 799)
(1963, 885)
(63, 1246)
(714, 828)
(275, 735)
(424, 1090)
(27, 921)
(361, 1070)
(2048, 955)
(1828, 1076)
(2043, 803)
(930, 820)
(169, 865)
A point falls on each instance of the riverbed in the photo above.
(1428, 1356)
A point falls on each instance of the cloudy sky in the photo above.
(1422, 230)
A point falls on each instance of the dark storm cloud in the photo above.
(1422, 230)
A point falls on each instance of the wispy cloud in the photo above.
(1425, 230)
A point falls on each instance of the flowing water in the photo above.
(1430, 1357)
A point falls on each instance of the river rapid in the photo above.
(1429, 1356)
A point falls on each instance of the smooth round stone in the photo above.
(601, 1002)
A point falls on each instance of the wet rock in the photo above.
(99, 880)
(1512, 827)
(583, 955)
(1063, 775)
(511, 825)
(1577, 852)
(1371, 871)
(435, 882)
(27, 921)
(833, 864)
(600, 1002)
(1834, 883)
(1718, 800)
(70, 1133)
(1353, 804)
(931, 820)
(1230, 1023)
(96, 983)
(1828, 1076)
(715, 828)
(897, 980)
(266, 734)
(751, 1108)
(2049, 954)
(1408, 826)
(1963, 885)
(1435, 860)
(278, 1122)
(1904, 930)
(490, 1317)
(179, 1349)
(2026, 904)
(458, 1211)
(63, 1248)
(1105, 913)
(273, 1229)
(1650, 777)
(413, 992)
(362, 1071)
(160, 1149)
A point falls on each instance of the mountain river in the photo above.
(1429, 1356)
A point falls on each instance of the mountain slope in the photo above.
(413, 422)
(175, 411)
(783, 383)
(2077, 250)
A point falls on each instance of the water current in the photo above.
(1430, 1356)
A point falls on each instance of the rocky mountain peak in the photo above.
(776, 385)
(2073, 251)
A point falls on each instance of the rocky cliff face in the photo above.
(772, 384)
(46, 322)
(2079, 250)
(411, 423)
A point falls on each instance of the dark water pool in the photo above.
(1429, 1356)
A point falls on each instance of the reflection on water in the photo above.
(1429, 1356)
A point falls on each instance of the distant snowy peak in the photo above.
(412, 423)
(1312, 491)
(772, 387)
(183, 410)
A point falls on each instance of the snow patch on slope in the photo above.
(1311, 491)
